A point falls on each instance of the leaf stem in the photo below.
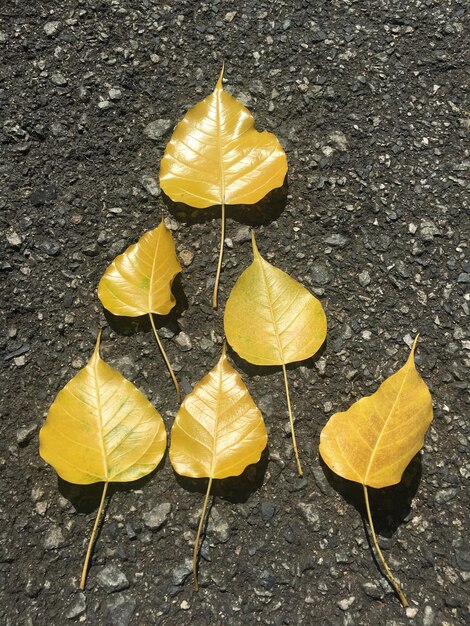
(92, 538)
(219, 264)
(165, 358)
(400, 593)
(196, 543)
(291, 419)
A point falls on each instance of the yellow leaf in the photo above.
(100, 428)
(375, 439)
(138, 282)
(218, 431)
(271, 319)
(216, 156)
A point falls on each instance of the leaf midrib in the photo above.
(390, 413)
(273, 317)
(100, 417)
(152, 275)
(219, 145)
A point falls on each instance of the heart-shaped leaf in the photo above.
(216, 156)
(138, 282)
(271, 319)
(217, 433)
(100, 428)
(375, 439)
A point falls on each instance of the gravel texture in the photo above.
(369, 101)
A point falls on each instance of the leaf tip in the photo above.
(413, 347)
(96, 351)
(253, 243)
(219, 82)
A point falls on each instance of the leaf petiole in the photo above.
(92, 538)
(165, 358)
(291, 419)
(219, 264)
(196, 543)
(396, 586)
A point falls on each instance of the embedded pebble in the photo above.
(182, 571)
(77, 607)
(51, 28)
(111, 578)
(183, 341)
(120, 608)
(157, 517)
(54, 538)
(155, 130)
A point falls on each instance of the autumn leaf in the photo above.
(138, 282)
(100, 428)
(375, 439)
(271, 319)
(217, 157)
(217, 433)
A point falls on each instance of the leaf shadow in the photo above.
(267, 370)
(235, 489)
(390, 506)
(124, 325)
(260, 213)
(86, 498)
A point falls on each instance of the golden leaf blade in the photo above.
(138, 282)
(216, 156)
(100, 427)
(375, 439)
(218, 430)
(270, 318)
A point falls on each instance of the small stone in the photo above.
(78, 607)
(364, 278)
(182, 571)
(346, 603)
(337, 240)
(120, 609)
(112, 579)
(229, 16)
(411, 613)
(310, 512)
(158, 516)
(157, 129)
(14, 240)
(428, 230)
(320, 275)
(58, 79)
(25, 434)
(150, 184)
(242, 234)
(185, 605)
(339, 139)
(54, 538)
(428, 616)
(115, 94)
(268, 511)
(51, 28)
(464, 277)
(104, 104)
(186, 257)
(49, 247)
(184, 342)
(218, 526)
(373, 591)
(445, 495)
